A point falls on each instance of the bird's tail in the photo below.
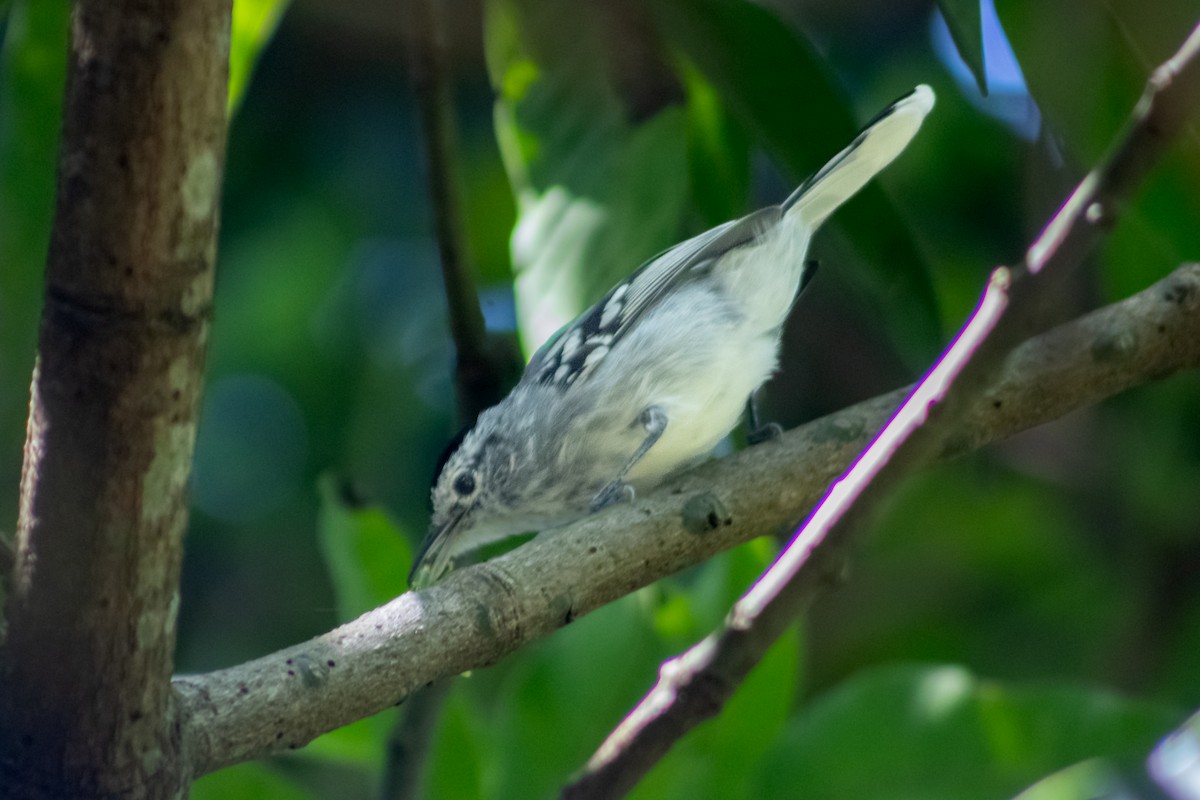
(880, 141)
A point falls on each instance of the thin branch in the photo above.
(480, 371)
(480, 374)
(479, 614)
(695, 685)
(408, 742)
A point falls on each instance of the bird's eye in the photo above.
(464, 484)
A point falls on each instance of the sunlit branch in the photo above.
(695, 685)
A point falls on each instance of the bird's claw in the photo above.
(764, 433)
(614, 492)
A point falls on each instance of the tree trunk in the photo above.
(85, 694)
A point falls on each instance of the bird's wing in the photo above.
(576, 349)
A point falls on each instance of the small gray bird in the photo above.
(648, 380)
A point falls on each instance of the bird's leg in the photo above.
(758, 431)
(654, 420)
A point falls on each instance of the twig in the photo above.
(695, 685)
(479, 372)
(408, 743)
(479, 614)
(479, 376)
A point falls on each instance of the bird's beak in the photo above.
(436, 555)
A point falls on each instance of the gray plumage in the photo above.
(648, 380)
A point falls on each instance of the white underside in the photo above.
(706, 401)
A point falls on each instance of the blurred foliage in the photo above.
(887, 732)
(1027, 617)
(254, 23)
(362, 547)
(248, 780)
(964, 20)
(735, 45)
(584, 222)
(597, 192)
(32, 71)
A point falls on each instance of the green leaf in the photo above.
(254, 23)
(1093, 779)
(690, 607)
(964, 19)
(32, 72)
(454, 766)
(598, 193)
(991, 565)
(582, 680)
(251, 781)
(585, 677)
(360, 743)
(1080, 69)
(713, 589)
(368, 559)
(367, 555)
(1087, 67)
(935, 732)
(785, 97)
(744, 731)
(718, 152)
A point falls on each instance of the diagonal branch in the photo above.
(695, 685)
(479, 614)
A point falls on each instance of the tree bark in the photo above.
(85, 690)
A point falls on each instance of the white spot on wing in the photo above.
(571, 344)
(614, 306)
(594, 357)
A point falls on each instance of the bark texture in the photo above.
(85, 671)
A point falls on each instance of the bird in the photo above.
(645, 383)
